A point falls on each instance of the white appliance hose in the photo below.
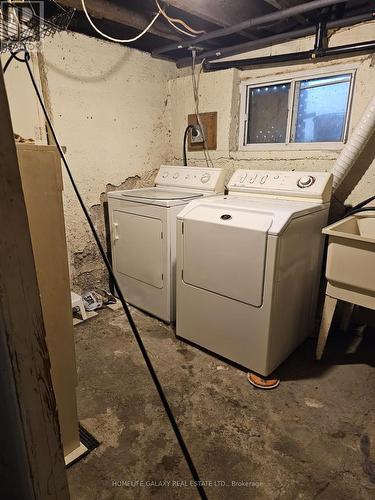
(356, 143)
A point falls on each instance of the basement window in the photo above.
(304, 112)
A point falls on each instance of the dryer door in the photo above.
(138, 247)
(224, 252)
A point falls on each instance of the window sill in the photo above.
(302, 146)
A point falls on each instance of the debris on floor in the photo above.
(79, 311)
(84, 307)
(18, 138)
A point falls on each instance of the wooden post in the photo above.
(31, 457)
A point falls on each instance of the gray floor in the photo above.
(313, 437)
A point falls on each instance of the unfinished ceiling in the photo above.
(125, 18)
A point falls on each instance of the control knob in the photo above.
(165, 175)
(205, 178)
(176, 175)
(306, 181)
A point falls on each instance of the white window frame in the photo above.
(292, 78)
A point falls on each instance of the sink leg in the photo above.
(346, 316)
(328, 311)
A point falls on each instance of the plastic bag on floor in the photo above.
(92, 301)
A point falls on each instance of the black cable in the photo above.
(132, 324)
(363, 203)
(360, 207)
(11, 57)
(7, 63)
(358, 210)
(189, 127)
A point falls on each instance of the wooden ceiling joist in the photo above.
(285, 4)
(225, 23)
(109, 11)
(221, 12)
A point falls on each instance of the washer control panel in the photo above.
(202, 178)
(281, 183)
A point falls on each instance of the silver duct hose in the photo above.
(355, 145)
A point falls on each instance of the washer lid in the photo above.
(246, 209)
(224, 252)
(156, 196)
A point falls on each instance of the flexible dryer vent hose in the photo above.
(355, 145)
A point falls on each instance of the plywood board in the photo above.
(31, 451)
(41, 176)
(209, 124)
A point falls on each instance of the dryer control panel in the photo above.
(283, 184)
(202, 178)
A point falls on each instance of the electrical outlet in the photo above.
(208, 122)
(196, 135)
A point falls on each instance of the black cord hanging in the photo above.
(189, 127)
(363, 203)
(359, 210)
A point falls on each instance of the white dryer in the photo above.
(143, 234)
(249, 266)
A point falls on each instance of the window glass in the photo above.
(268, 113)
(320, 109)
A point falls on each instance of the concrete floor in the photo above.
(313, 437)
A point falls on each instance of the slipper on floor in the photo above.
(262, 383)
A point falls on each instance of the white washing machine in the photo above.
(249, 266)
(143, 234)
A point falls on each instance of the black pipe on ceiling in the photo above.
(341, 50)
(250, 23)
(273, 39)
(321, 39)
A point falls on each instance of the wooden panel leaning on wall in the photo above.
(31, 457)
(40, 170)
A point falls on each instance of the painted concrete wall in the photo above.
(108, 104)
(121, 114)
(219, 91)
(26, 114)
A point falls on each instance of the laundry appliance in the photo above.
(143, 234)
(249, 266)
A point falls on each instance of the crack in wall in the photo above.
(88, 269)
